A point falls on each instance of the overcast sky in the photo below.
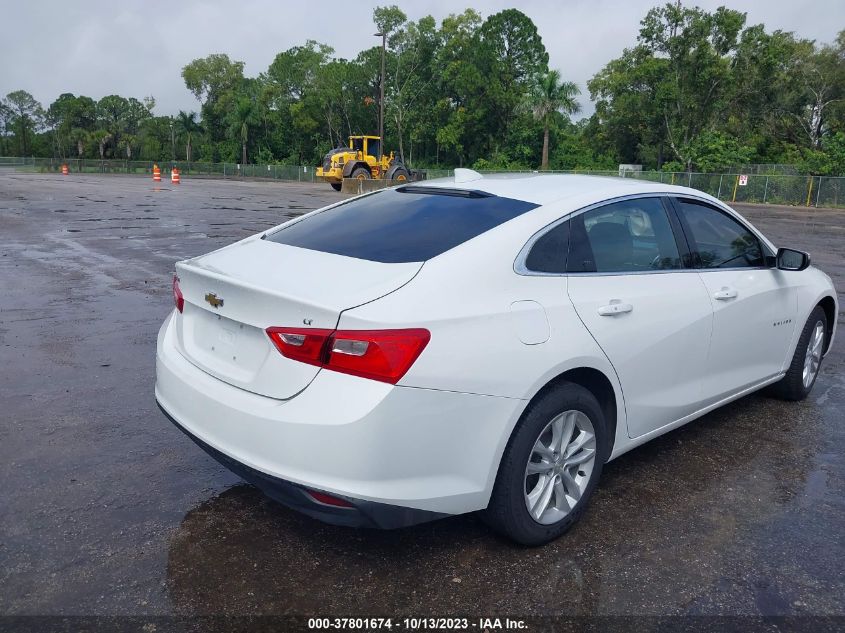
(137, 49)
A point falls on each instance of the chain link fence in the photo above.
(785, 189)
(217, 170)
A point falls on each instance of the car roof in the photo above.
(543, 189)
(559, 194)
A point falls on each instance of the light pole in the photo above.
(172, 142)
(383, 36)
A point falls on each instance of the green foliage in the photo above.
(703, 91)
(716, 151)
(827, 161)
(388, 19)
(208, 78)
(24, 116)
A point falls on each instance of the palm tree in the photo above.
(552, 95)
(80, 138)
(102, 138)
(243, 116)
(128, 140)
(188, 126)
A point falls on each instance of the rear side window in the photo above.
(627, 236)
(548, 255)
(409, 224)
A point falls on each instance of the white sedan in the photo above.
(480, 343)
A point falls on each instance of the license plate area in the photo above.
(230, 348)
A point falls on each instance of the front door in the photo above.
(754, 306)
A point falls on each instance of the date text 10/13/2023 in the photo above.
(416, 624)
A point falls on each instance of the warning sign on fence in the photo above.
(743, 180)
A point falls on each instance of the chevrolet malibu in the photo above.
(480, 344)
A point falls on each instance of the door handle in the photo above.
(615, 307)
(725, 293)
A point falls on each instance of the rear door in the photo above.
(754, 306)
(650, 315)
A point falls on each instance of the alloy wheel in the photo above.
(813, 357)
(559, 466)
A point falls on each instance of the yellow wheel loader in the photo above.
(361, 160)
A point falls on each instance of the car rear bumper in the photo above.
(361, 513)
(399, 455)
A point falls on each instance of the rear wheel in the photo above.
(336, 186)
(400, 175)
(550, 467)
(806, 361)
(361, 173)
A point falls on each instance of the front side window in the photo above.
(627, 236)
(718, 240)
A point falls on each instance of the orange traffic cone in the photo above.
(156, 173)
(174, 176)
(65, 170)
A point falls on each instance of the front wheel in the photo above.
(550, 467)
(806, 361)
(336, 186)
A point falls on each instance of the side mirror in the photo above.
(790, 259)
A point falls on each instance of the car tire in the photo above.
(508, 511)
(796, 384)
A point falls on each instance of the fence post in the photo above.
(689, 180)
(766, 190)
(736, 184)
(719, 193)
(809, 190)
(818, 191)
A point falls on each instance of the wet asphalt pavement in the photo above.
(106, 508)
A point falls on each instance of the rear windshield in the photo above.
(409, 224)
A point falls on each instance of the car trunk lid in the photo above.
(232, 295)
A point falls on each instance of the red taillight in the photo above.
(322, 497)
(178, 299)
(384, 355)
(303, 344)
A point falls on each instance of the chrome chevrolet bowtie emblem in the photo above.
(214, 300)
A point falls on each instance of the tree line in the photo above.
(698, 91)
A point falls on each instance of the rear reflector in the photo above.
(329, 500)
(384, 355)
(178, 299)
